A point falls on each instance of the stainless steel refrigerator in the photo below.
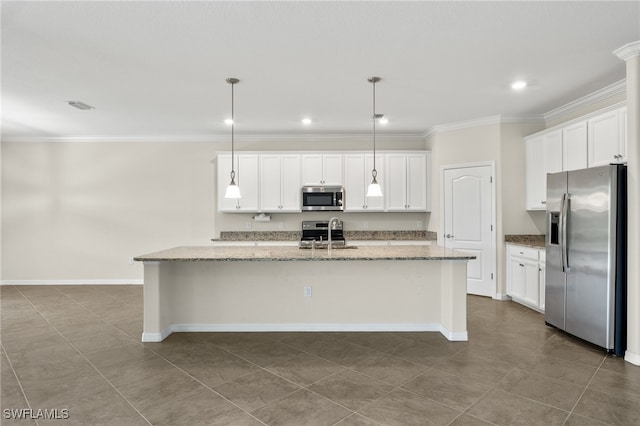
(585, 278)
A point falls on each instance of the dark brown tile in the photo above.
(420, 353)
(374, 340)
(267, 353)
(203, 408)
(608, 409)
(576, 420)
(559, 369)
(346, 354)
(624, 384)
(468, 420)
(504, 408)
(562, 347)
(481, 369)
(301, 408)
(311, 342)
(357, 420)
(559, 394)
(351, 389)
(389, 369)
(447, 389)
(305, 369)
(401, 408)
(256, 390)
(215, 368)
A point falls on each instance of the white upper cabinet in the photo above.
(322, 169)
(606, 142)
(536, 175)
(591, 141)
(357, 177)
(552, 142)
(246, 168)
(574, 146)
(406, 181)
(279, 183)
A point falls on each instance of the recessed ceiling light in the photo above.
(80, 105)
(306, 121)
(518, 85)
(383, 120)
(228, 121)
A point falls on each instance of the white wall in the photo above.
(77, 211)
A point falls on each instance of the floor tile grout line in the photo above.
(186, 373)
(90, 363)
(585, 390)
(24, 395)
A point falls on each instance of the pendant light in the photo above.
(374, 189)
(233, 191)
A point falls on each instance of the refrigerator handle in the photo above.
(563, 226)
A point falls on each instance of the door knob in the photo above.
(449, 236)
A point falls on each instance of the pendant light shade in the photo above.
(233, 191)
(374, 189)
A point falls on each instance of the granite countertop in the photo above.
(279, 253)
(535, 241)
(349, 235)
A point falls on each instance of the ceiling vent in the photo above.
(80, 105)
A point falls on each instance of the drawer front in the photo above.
(524, 252)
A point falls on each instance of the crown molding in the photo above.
(597, 96)
(628, 51)
(257, 137)
(485, 121)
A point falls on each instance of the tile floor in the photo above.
(78, 348)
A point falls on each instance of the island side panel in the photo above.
(453, 276)
(157, 307)
(375, 295)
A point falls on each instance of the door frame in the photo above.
(440, 241)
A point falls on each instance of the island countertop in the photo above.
(279, 253)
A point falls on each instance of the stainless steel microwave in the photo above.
(322, 198)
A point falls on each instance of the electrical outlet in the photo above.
(248, 225)
(307, 291)
(281, 225)
(365, 224)
(419, 224)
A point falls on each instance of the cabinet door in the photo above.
(312, 169)
(574, 146)
(417, 182)
(531, 285)
(553, 151)
(247, 179)
(396, 182)
(516, 278)
(604, 139)
(541, 284)
(536, 178)
(290, 183)
(354, 183)
(373, 203)
(332, 169)
(270, 183)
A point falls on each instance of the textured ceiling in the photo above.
(158, 69)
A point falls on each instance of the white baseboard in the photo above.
(131, 281)
(501, 296)
(302, 327)
(632, 358)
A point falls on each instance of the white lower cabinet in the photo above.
(525, 275)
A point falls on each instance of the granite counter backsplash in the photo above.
(526, 240)
(349, 235)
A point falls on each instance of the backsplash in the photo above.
(349, 235)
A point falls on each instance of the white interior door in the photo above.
(468, 222)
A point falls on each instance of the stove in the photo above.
(317, 232)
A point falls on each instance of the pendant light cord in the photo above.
(233, 123)
(374, 171)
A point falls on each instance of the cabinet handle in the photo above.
(543, 202)
(521, 265)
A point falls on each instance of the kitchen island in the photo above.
(276, 288)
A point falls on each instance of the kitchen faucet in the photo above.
(332, 222)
